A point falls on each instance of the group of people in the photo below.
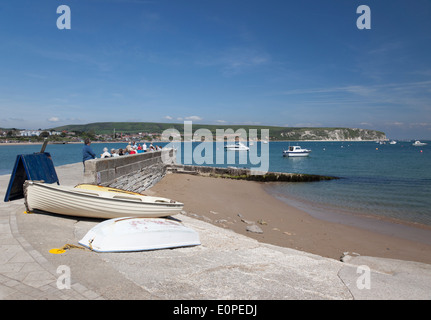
(132, 148)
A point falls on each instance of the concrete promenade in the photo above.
(225, 266)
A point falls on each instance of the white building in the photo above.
(30, 133)
(36, 133)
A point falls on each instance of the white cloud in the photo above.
(168, 117)
(54, 119)
(308, 124)
(193, 118)
(234, 61)
(360, 90)
(189, 118)
(421, 124)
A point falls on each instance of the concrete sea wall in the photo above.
(136, 172)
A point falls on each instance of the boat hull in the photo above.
(139, 234)
(93, 204)
(236, 149)
(296, 154)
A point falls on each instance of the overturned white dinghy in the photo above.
(139, 234)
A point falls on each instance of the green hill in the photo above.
(275, 133)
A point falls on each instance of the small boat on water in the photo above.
(417, 143)
(139, 234)
(88, 203)
(237, 147)
(296, 151)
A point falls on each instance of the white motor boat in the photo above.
(89, 203)
(139, 234)
(237, 147)
(296, 151)
(417, 143)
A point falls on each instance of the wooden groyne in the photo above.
(246, 174)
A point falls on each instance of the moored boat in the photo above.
(139, 234)
(296, 151)
(237, 147)
(78, 202)
(417, 143)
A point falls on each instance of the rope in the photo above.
(72, 246)
(66, 247)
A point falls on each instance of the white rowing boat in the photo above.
(139, 234)
(80, 202)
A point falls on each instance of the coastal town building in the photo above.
(37, 133)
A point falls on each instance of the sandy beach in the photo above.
(236, 204)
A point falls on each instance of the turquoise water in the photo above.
(382, 180)
(392, 181)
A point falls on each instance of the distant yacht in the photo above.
(417, 143)
(393, 142)
(237, 147)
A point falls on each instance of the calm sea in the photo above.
(391, 181)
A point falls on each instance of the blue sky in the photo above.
(285, 63)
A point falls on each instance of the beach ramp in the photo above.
(36, 166)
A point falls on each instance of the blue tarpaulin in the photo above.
(36, 166)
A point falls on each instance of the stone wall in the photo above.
(136, 172)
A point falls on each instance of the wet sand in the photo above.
(235, 204)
